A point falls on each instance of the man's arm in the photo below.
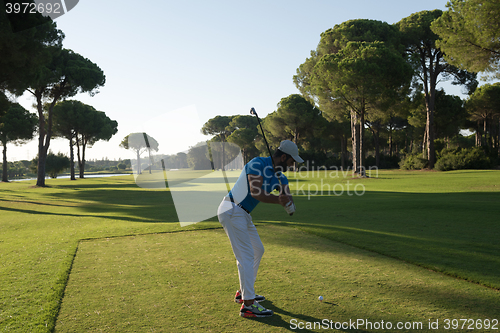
(286, 190)
(258, 193)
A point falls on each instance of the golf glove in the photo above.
(290, 208)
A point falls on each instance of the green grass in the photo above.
(41, 228)
(446, 222)
(185, 282)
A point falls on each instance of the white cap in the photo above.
(290, 148)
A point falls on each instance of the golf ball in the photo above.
(320, 298)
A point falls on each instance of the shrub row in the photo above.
(451, 159)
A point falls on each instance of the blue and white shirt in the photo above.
(260, 166)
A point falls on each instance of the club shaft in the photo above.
(252, 111)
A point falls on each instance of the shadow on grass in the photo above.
(117, 201)
(299, 319)
(453, 233)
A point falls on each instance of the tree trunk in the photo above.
(355, 141)
(487, 139)
(138, 162)
(343, 147)
(429, 125)
(478, 136)
(362, 170)
(71, 159)
(45, 134)
(4, 165)
(82, 161)
(431, 73)
(150, 161)
(376, 138)
(424, 145)
(42, 147)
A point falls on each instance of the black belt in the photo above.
(239, 205)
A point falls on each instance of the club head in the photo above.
(252, 112)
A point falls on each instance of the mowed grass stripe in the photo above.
(185, 282)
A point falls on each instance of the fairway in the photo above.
(185, 282)
(104, 254)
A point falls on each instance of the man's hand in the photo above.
(284, 199)
(290, 208)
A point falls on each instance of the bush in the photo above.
(457, 159)
(386, 161)
(54, 164)
(413, 162)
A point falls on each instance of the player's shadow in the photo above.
(277, 321)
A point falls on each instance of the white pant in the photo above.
(246, 244)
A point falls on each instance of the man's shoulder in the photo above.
(256, 165)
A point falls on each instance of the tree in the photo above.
(244, 130)
(429, 63)
(55, 164)
(198, 157)
(24, 38)
(297, 115)
(314, 85)
(484, 109)
(140, 143)
(66, 74)
(450, 115)
(67, 122)
(356, 77)
(16, 124)
(469, 33)
(94, 126)
(82, 125)
(219, 126)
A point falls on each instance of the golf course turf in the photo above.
(105, 255)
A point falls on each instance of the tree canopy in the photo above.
(82, 125)
(469, 35)
(484, 110)
(429, 64)
(15, 124)
(139, 143)
(66, 74)
(24, 38)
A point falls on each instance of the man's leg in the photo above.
(258, 249)
(235, 223)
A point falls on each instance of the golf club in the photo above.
(254, 113)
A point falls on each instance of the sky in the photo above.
(171, 66)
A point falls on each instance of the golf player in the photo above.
(255, 184)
